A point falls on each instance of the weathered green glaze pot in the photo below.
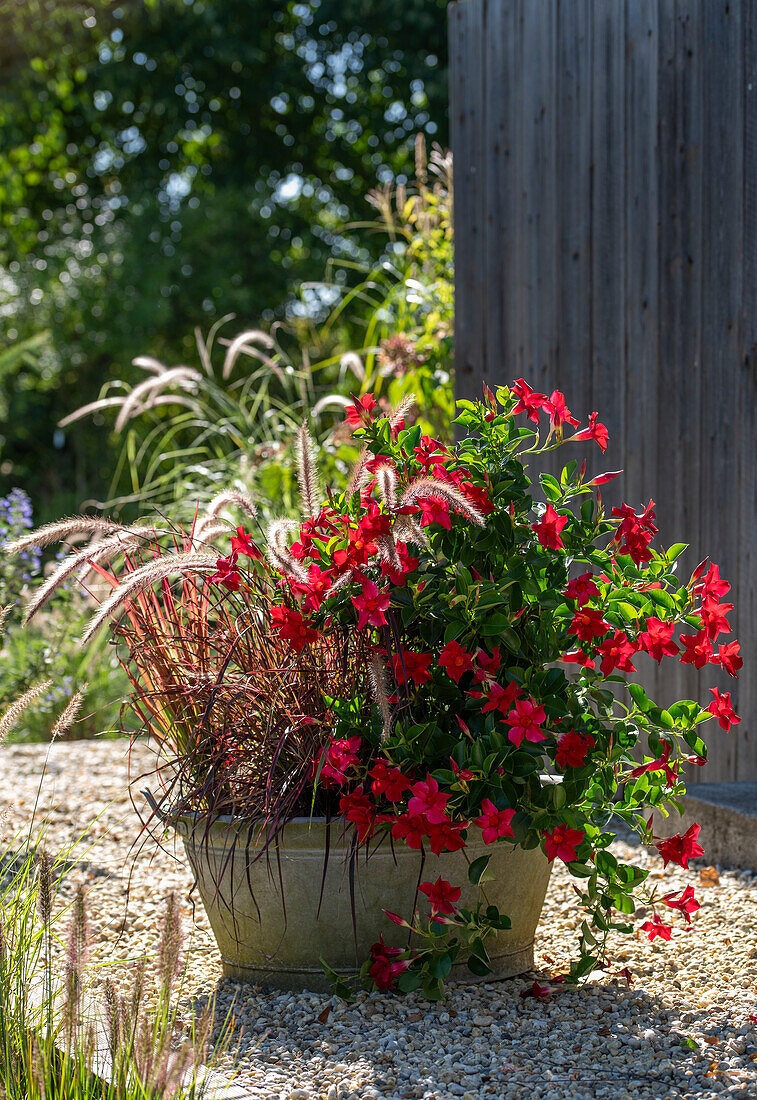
(279, 943)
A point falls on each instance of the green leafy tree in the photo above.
(167, 162)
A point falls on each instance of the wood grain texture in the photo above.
(611, 158)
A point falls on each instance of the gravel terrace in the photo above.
(682, 1030)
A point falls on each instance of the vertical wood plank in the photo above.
(503, 81)
(642, 215)
(467, 128)
(676, 488)
(573, 374)
(745, 616)
(607, 227)
(722, 237)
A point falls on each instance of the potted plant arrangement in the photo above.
(380, 725)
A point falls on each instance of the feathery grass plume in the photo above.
(112, 1018)
(387, 548)
(386, 480)
(169, 949)
(76, 957)
(4, 613)
(68, 716)
(149, 363)
(45, 887)
(143, 393)
(351, 361)
(81, 559)
(306, 475)
(431, 487)
(226, 498)
(17, 708)
(37, 1066)
(329, 401)
(406, 405)
(421, 160)
(91, 407)
(246, 342)
(145, 577)
(63, 529)
(205, 533)
(277, 548)
(378, 685)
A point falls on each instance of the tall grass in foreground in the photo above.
(55, 1041)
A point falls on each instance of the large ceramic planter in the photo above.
(265, 939)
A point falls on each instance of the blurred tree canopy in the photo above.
(166, 162)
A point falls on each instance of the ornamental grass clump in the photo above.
(415, 657)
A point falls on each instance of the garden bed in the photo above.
(682, 1029)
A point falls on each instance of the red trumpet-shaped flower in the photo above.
(572, 748)
(728, 658)
(548, 529)
(455, 660)
(686, 904)
(657, 639)
(560, 843)
(655, 928)
(292, 628)
(494, 823)
(582, 589)
(227, 573)
(595, 431)
(525, 720)
(441, 894)
(681, 848)
(428, 801)
(371, 605)
(529, 402)
(722, 709)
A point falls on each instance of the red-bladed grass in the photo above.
(238, 717)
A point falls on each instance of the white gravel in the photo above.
(682, 1030)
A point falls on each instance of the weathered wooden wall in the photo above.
(606, 244)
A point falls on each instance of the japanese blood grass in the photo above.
(55, 1041)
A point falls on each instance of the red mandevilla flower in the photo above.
(388, 781)
(338, 758)
(686, 904)
(595, 431)
(528, 401)
(494, 823)
(681, 848)
(241, 543)
(428, 801)
(560, 843)
(442, 895)
(360, 811)
(655, 928)
(559, 413)
(371, 605)
(661, 764)
(292, 628)
(227, 573)
(434, 510)
(588, 624)
(572, 748)
(385, 965)
(360, 411)
(714, 617)
(657, 639)
(712, 586)
(525, 720)
(455, 660)
(697, 649)
(411, 666)
(728, 658)
(548, 529)
(617, 652)
(582, 589)
(722, 709)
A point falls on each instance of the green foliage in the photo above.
(229, 420)
(47, 1043)
(167, 163)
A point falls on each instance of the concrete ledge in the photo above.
(727, 813)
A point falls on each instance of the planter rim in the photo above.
(228, 819)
